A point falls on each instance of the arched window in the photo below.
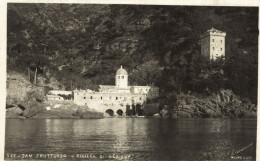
(101, 97)
(91, 97)
(116, 98)
(122, 77)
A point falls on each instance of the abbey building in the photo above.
(118, 97)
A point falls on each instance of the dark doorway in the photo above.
(139, 110)
(128, 110)
(133, 110)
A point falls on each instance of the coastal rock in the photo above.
(157, 115)
(174, 115)
(183, 114)
(165, 112)
(15, 110)
(219, 105)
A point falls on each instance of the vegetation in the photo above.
(81, 46)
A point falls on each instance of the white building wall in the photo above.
(101, 101)
(213, 44)
(217, 46)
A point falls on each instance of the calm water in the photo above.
(131, 139)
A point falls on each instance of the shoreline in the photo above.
(145, 117)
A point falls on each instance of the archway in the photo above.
(119, 112)
(133, 109)
(110, 112)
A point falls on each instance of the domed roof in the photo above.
(121, 71)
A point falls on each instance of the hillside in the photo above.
(81, 46)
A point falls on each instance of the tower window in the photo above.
(100, 97)
(91, 97)
(213, 48)
(221, 41)
(122, 77)
(220, 49)
(116, 98)
(118, 77)
(84, 97)
(213, 40)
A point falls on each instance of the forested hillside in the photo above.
(82, 46)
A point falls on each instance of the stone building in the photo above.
(213, 44)
(54, 98)
(57, 95)
(118, 98)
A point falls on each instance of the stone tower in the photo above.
(213, 44)
(121, 78)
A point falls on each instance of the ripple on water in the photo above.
(141, 138)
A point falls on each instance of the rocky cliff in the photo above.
(25, 100)
(218, 105)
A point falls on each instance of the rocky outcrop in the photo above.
(223, 104)
(23, 98)
(27, 101)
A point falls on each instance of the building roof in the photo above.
(121, 71)
(112, 87)
(215, 30)
(56, 96)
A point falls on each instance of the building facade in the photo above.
(119, 97)
(213, 44)
(56, 95)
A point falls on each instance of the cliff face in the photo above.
(23, 99)
(223, 104)
(17, 88)
(27, 101)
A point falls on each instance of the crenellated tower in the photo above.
(213, 44)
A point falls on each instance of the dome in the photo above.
(121, 71)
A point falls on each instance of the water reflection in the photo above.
(143, 139)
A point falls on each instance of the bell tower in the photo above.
(121, 78)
